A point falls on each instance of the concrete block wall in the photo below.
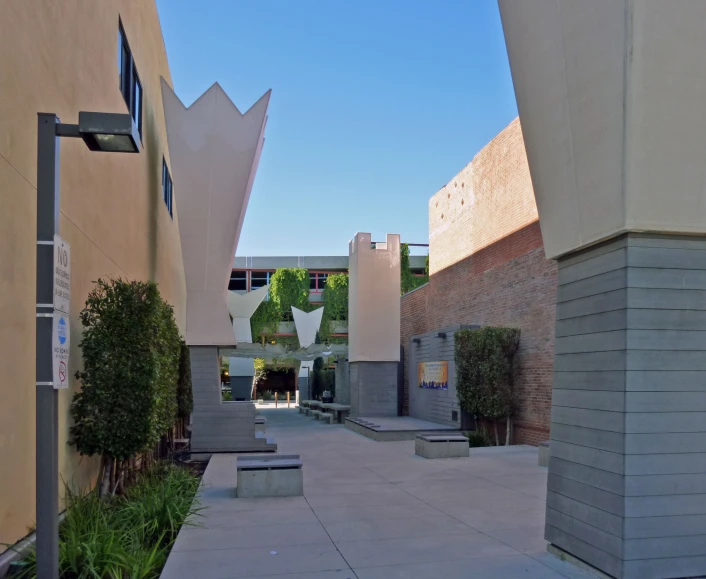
(343, 387)
(627, 475)
(373, 388)
(424, 403)
(218, 426)
(303, 384)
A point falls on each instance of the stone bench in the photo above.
(441, 446)
(269, 476)
(260, 423)
(339, 412)
(316, 413)
(544, 452)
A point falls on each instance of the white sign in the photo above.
(60, 344)
(62, 275)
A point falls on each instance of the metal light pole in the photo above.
(101, 132)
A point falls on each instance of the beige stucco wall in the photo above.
(611, 93)
(374, 299)
(62, 57)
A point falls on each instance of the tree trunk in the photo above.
(107, 469)
(495, 427)
(508, 432)
(119, 470)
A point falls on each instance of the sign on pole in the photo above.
(62, 275)
(60, 345)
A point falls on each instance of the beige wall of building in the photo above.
(61, 57)
(374, 299)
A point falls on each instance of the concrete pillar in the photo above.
(303, 384)
(373, 325)
(611, 94)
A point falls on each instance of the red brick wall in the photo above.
(488, 268)
(509, 283)
(490, 198)
(413, 321)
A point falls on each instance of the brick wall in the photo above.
(489, 199)
(488, 267)
(413, 321)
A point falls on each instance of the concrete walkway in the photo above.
(373, 510)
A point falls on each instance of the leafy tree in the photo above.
(131, 351)
(484, 370)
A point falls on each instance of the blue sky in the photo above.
(376, 104)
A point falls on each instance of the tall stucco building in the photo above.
(119, 213)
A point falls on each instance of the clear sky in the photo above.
(376, 104)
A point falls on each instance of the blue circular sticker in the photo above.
(62, 331)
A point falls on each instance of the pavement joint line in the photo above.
(330, 538)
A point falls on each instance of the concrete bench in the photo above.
(316, 414)
(441, 446)
(269, 476)
(544, 452)
(260, 423)
(338, 411)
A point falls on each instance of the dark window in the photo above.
(167, 188)
(238, 281)
(260, 279)
(317, 282)
(130, 85)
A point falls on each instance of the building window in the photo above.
(238, 281)
(260, 278)
(130, 85)
(317, 282)
(167, 188)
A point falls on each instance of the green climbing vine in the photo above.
(409, 281)
(288, 287)
(335, 299)
(484, 374)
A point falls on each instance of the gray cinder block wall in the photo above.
(424, 403)
(373, 388)
(343, 388)
(627, 474)
(218, 426)
(303, 384)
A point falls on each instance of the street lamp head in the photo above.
(109, 132)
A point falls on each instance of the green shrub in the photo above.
(128, 536)
(477, 439)
(484, 370)
(131, 349)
